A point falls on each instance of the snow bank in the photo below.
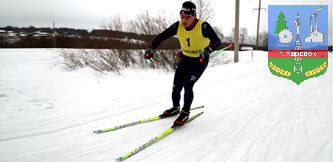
(48, 114)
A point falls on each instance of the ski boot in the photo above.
(171, 112)
(182, 118)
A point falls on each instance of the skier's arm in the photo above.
(208, 32)
(169, 32)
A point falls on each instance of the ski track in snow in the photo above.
(48, 114)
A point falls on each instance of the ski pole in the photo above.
(212, 54)
(151, 59)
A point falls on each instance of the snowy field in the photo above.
(48, 114)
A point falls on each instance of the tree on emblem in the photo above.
(281, 23)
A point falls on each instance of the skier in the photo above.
(197, 39)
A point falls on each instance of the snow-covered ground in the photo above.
(48, 114)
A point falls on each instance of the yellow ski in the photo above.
(155, 139)
(137, 122)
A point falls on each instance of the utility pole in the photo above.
(257, 41)
(54, 36)
(236, 49)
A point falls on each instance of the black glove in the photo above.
(149, 53)
(205, 53)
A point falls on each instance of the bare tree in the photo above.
(148, 27)
(114, 23)
(232, 35)
(263, 37)
(243, 35)
(219, 32)
(146, 24)
(252, 40)
(151, 26)
(228, 38)
(205, 10)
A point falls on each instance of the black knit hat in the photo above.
(188, 8)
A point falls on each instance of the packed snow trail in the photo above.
(48, 114)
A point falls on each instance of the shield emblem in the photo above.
(298, 41)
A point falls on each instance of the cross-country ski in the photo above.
(155, 139)
(166, 81)
(155, 118)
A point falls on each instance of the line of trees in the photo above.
(31, 37)
(121, 44)
(144, 24)
(115, 33)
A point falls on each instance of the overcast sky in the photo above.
(90, 14)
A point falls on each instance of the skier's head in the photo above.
(188, 13)
(188, 8)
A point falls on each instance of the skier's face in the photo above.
(186, 19)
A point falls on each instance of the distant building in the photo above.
(9, 37)
(40, 34)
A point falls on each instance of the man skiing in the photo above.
(197, 39)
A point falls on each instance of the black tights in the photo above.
(187, 74)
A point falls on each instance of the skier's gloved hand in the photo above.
(205, 53)
(180, 54)
(149, 53)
